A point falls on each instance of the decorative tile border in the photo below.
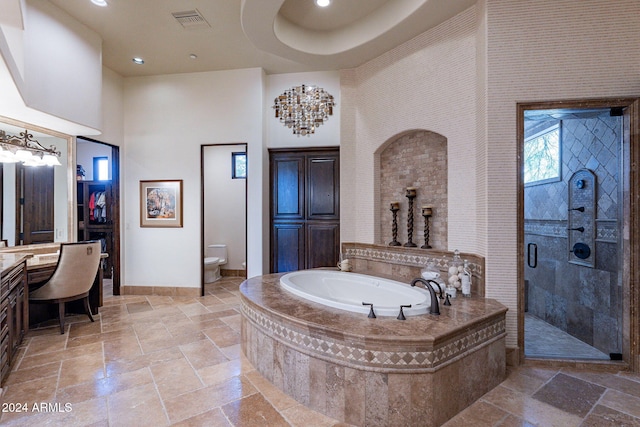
(606, 229)
(405, 256)
(347, 354)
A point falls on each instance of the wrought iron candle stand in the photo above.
(426, 213)
(395, 207)
(411, 194)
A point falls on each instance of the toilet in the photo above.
(216, 255)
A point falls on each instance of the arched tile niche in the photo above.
(416, 158)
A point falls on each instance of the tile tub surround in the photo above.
(375, 372)
(405, 264)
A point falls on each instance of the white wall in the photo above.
(55, 66)
(167, 119)
(427, 83)
(280, 136)
(224, 204)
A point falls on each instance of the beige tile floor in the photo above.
(162, 361)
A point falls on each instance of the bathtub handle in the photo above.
(533, 264)
(371, 315)
(401, 314)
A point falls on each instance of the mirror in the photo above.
(61, 201)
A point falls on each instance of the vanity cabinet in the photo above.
(14, 314)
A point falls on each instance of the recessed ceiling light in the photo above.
(193, 56)
(101, 3)
(323, 3)
(138, 61)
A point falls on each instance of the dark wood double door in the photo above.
(305, 208)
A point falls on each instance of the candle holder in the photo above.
(395, 207)
(426, 213)
(411, 194)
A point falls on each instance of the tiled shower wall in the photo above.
(416, 159)
(583, 301)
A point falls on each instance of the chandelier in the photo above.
(304, 108)
(27, 150)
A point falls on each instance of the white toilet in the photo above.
(216, 255)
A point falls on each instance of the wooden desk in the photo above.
(39, 270)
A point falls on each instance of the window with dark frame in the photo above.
(101, 168)
(238, 165)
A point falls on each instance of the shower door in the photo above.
(574, 170)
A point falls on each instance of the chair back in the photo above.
(76, 269)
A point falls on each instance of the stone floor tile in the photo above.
(192, 372)
(203, 353)
(105, 386)
(220, 372)
(479, 414)
(570, 394)
(212, 418)
(138, 406)
(529, 409)
(622, 402)
(301, 416)
(253, 410)
(601, 416)
(202, 400)
(175, 377)
(81, 369)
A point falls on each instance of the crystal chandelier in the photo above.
(27, 150)
(304, 108)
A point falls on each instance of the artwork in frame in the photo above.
(161, 203)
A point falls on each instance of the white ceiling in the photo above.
(281, 36)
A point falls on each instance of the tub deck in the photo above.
(382, 371)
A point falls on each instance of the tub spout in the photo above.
(435, 307)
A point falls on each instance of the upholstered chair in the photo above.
(72, 278)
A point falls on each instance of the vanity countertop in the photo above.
(10, 260)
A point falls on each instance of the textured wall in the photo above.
(416, 159)
(463, 80)
(427, 83)
(544, 50)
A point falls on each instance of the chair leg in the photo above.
(87, 308)
(61, 315)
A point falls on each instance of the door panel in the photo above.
(288, 174)
(36, 194)
(324, 196)
(288, 247)
(323, 243)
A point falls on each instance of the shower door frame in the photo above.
(630, 237)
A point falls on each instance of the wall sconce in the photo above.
(304, 108)
(27, 150)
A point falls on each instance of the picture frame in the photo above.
(161, 203)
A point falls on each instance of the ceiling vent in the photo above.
(191, 19)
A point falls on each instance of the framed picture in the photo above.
(161, 203)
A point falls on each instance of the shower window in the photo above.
(542, 156)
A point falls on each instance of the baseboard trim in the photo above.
(168, 291)
(233, 273)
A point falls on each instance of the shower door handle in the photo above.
(532, 263)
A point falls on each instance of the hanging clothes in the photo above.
(98, 207)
